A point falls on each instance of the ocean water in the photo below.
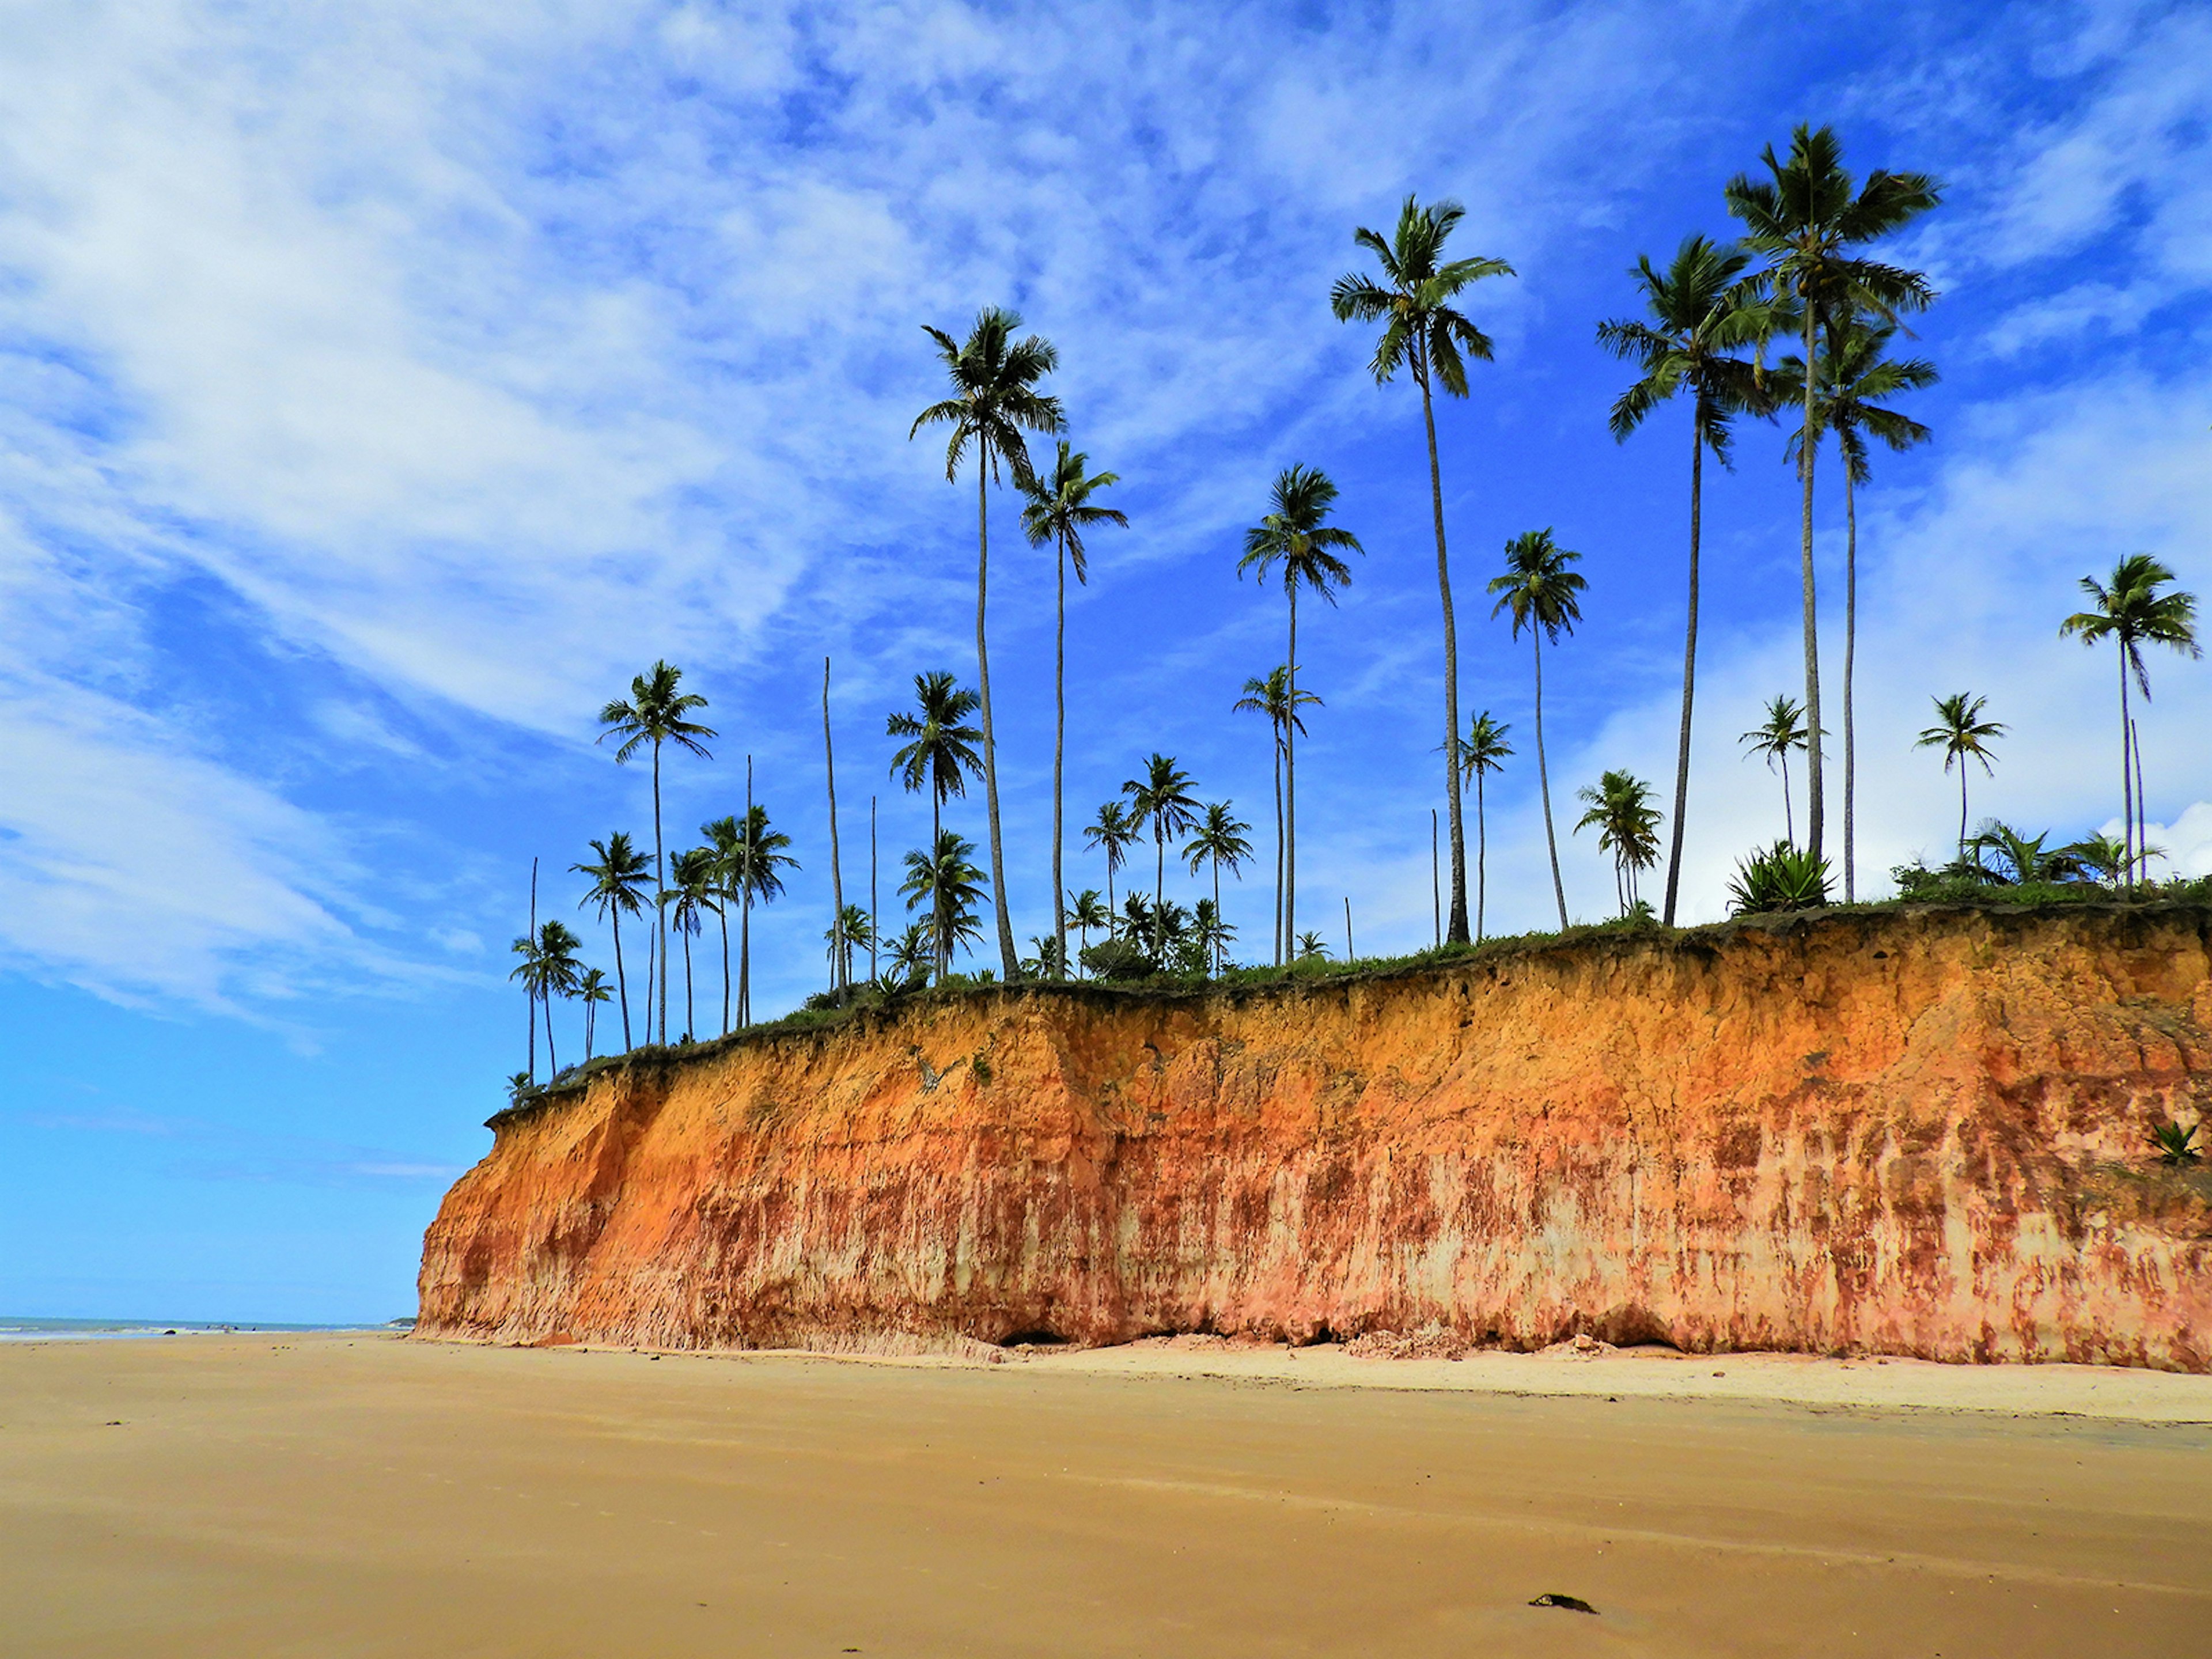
(13, 1329)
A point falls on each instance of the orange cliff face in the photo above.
(1906, 1134)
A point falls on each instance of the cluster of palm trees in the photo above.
(1804, 274)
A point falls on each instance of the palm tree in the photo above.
(1702, 314)
(698, 879)
(2107, 858)
(854, 932)
(1311, 948)
(1621, 811)
(1163, 799)
(723, 834)
(1962, 735)
(2132, 612)
(1484, 750)
(1299, 534)
(618, 890)
(939, 755)
(751, 872)
(591, 991)
(1425, 334)
(1772, 740)
(1220, 840)
(657, 713)
(1210, 935)
(913, 953)
(1112, 833)
(1059, 510)
(1272, 697)
(1855, 376)
(548, 970)
(995, 399)
(1540, 590)
(1085, 911)
(949, 884)
(1808, 219)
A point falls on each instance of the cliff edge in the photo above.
(1908, 1131)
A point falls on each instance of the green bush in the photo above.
(1782, 877)
(1116, 960)
(2175, 1145)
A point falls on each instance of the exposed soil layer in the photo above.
(1917, 1132)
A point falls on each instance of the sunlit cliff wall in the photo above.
(1907, 1134)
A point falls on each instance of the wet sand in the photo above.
(370, 1496)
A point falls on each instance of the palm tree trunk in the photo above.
(1481, 859)
(690, 1022)
(1159, 889)
(2142, 803)
(1279, 851)
(1458, 929)
(1544, 780)
(722, 915)
(530, 990)
(840, 959)
(1291, 789)
(1806, 456)
(875, 915)
(1008, 960)
(552, 1059)
(746, 879)
(1851, 653)
(659, 891)
(2127, 771)
(590, 1022)
(1220, 943)
(622, 981)
(1689, 656)
(1962, 808)
(1059, 751)
(1789, 812)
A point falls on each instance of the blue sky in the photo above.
(380, 387)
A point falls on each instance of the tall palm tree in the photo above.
(939, 754)
(1112, 833)
(1084, 912)
(994, 400)
(659, 711)
(618, 888)
(1628, 823)
(1423, 333)
(1855, 376)
(1540, 592)
(1962, 735)
(1220, 840)
(2132, 612)
(1162, 798)
(591, 991)
(697, 872)
(1703, 314)
(1272, 697)
(1298, 536)
(1772, 740)
(549, 969)
(1059, 510)
(1485, 750)
(1810, 219)
(753, 872)
(852, 932)
(1210, 936)
(947, 881)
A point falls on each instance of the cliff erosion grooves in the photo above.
(1914, 1132)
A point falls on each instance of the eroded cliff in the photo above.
(1915, 1133)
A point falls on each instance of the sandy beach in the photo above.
(366, 1495)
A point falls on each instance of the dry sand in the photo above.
(238, 1495)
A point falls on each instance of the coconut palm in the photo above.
(1085, 911)
(2108, 859)
(1772, 740)
(1210, 937)
(1311, 948)
(948, 883)
(1139, 915)
(1483, 750)
(1112, 833)
(1426, 335)
(1272, 697)
(1298, 536)
(1220, 839)
(698, 880)
(658, 713)
(1855, 376)
(1540, 591)
(1621, 811)
(723, 835)
(939, 755)
(1059, 510)
(854, 932)
(911, 953)
(994, 400)
(2022, 858)
(1702, 315)
(618, 881)
(591, 991)
(548, 969)
(1162, 798)
(2132, 612)
(1962, 735)
(751, 873)
(1810, 219)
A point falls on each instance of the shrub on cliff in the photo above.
(1117, 959)
(1782, 877)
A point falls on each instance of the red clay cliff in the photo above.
(1901, 1132)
